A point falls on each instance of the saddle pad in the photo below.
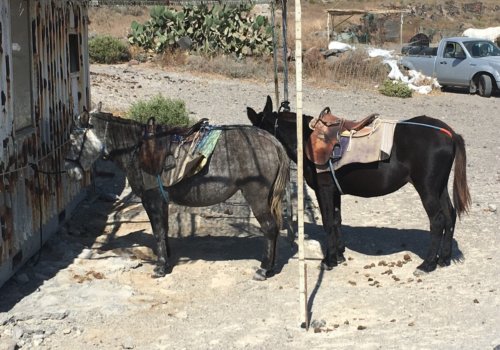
(373, 147)
(189, 158)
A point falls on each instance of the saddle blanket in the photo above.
(189, 158)
(371, 147)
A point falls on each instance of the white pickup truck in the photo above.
(460, 61)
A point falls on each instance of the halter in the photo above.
(77, 160)
(104, 149)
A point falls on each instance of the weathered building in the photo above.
(44, 83)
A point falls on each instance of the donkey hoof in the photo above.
(424, 268)
(260, 275)
(443, 262)
(340, 258)
(160, 271)
(325, 266)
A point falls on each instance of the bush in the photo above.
(165, 111)
(395, 89)
(211, 30)
(106, 49)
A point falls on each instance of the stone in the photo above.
(17, 332)
(21, 278)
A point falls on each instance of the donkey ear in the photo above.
(252, 115)
(269, 105)
(84, 118)
(149, 129)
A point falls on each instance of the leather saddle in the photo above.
(324, 141)
(155, 148)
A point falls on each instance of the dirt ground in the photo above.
(91, 288)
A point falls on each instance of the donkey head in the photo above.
(85, 148)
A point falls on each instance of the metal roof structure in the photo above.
(352, 12)
(332, 13)
(173, 2)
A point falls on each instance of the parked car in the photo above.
(462, 62)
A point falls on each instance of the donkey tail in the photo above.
(461, 194)
(279, 186)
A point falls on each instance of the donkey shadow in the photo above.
(377, 241)
(206, 246)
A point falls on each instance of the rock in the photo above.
(17, 332)
(128, 343)
(492, 208)
(312, 57)
(21, 278)
(108, 197)
(7, 343)
(318, 324)
(74, 231)
(185, 43)
(85, 254)
(55, 315)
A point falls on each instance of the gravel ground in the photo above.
(91, 288)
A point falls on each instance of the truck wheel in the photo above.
(484, 85)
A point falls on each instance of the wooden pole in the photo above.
(328, 27)
(401, 32)
(300, 168)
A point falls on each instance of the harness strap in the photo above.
(330, 165)
(162, 191)
(447, 132)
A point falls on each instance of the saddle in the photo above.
(153, 153)
(324, 141)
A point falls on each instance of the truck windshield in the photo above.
(482, 48)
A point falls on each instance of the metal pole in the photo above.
(304, 316)
(275, 54)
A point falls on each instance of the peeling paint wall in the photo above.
(34, 196)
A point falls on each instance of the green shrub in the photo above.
(211, 30)
(395, 89)
(165, 111)
(106, 49)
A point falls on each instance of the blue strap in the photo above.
(163, 193)
(334, 177)
(446, 131)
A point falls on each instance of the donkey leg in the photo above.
(157, 210)
(329, 204)
(450, 215)
(337, 224)
(269, 227)
(261, 209)
(437, 224)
